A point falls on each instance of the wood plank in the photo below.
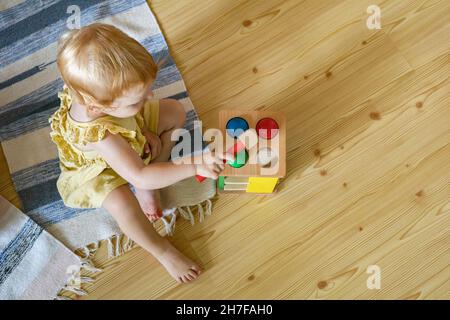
(420, 29)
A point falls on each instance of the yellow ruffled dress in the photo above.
(86, 179)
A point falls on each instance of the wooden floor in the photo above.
(368, 164)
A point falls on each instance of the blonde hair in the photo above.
(99, 62)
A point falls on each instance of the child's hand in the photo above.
(153, 144)
(212, 165)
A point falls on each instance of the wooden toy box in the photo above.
(260, 166)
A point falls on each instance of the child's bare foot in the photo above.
(150, 203)
(180, 267)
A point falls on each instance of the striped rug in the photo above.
(29, 83)
(33, 264)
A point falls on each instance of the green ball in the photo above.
(221, 182)
(240, 159)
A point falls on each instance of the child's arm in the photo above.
(116, 151)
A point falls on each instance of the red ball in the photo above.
(267, 128)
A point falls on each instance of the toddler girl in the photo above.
(110, 133)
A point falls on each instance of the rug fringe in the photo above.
(169, 225)
(203, 208)
(110, 247)
(86, 264)
(74, 289)
(119, 244)
(183, 213)
(75, 279)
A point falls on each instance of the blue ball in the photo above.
(236, 126)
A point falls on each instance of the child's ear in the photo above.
(94, 109)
